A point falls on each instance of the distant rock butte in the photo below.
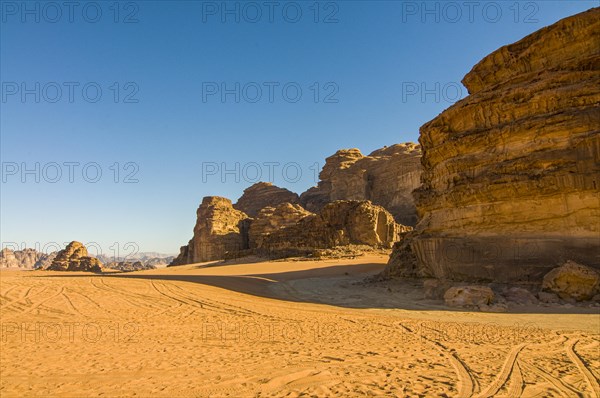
(511, 172)
(25, 259)
(261, 195)
(75, 258)
(286, 230)
(386, 177)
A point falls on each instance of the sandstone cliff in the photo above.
(286, 230)
(261, 195)
(386, 177)
(220, 231)
(511, 172)
(75, 258)
(25, 259)
(290, 230)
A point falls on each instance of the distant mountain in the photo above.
(147, 259)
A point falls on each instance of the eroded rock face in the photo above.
(572, 281)
(290, 230)
(220, 230)
(25, 259)
(274, 219)
(510, 180)
(261, 195)
(75, 258)
(386, 177)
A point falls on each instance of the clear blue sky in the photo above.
(169, 58)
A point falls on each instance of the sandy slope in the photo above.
(278, 329)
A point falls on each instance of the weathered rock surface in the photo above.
(75, 258)
(286, 230)
(272, 220)
(464, 296)
(261, 195)
(510, 179)
(386, 177)
(129, 266)
(290, 230)
(220, 230)
(25, 259)
(573, 281)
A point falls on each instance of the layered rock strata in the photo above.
(290, 230)
(511, 172)
(261, 195)
(286, 230)
(386, 177)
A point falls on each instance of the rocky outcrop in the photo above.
(286, 230)
(572, 281)
(220, 231)
(25, 259)
(129, 266)
(75, 258)
(261, 195)
(386, 177)
(290, 230)
(272, 220)
(510, 173)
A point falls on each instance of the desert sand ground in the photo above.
(285, 329)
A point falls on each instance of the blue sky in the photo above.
(163, 122)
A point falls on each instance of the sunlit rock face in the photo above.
(386, 177)
(511, 172)
(289, 230)
(220, 231)
(261, 195)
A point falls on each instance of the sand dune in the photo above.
(279, 329)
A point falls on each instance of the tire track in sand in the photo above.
(587, 374)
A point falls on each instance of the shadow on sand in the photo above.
(336, 285)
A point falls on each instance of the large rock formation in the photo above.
(286, 230)
(290, 230)
(386, 177)
(511, 172)
(261, 195)
(220, 231)
(25, 259)
(75, 258)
